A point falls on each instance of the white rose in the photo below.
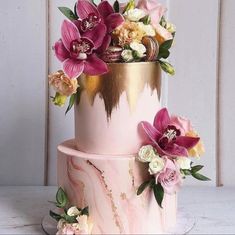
(156, 165)
(139, 48)
(148, 29)
(73, 211)
(61, 224)
(134, 14)
(184, 163)
(127, 55)
(146, 154)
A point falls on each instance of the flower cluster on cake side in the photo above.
(71, 219)
(94, 35)
(172, 140)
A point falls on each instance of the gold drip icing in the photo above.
(131, 175)
(130, 78)
(110, 195)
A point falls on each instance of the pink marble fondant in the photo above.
(108, 184)
(94, 133)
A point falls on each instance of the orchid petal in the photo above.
(105, 9)
(84, 8)
(69, 33)
(162, 120)
(96, 35)
(73, 68)
(187, 142)
(151, 131)
(113, 21)
(60, 51)
(95, 66)
(175, 150)
(105, 44)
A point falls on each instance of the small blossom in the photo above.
(139, 48)
(127, 55)
(146, 153)
(73, 211)
(184, 163)
(156, 165)
(59, 100)
(134, 14)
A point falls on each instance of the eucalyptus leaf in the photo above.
(158, 193)
(71, 102)
(68, 13)
(85, 211)
(200, 176)
(61, 198)
(55, 216)
(143, 186)
(116, 6)
(196, 168)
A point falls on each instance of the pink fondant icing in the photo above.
(108, 184)
(120, 135)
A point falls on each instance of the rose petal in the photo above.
(162, 120)
(187, 142)
(95, 66)
(60, 51)
(105, 9)
(69, 33)
(73, 68)
(105, 44)
(96, 35)
(151, 131)
(113, 21)
(84, 8)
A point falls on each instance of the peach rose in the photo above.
(63, 84)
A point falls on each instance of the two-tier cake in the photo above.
(121, 172)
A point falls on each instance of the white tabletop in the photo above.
(22, 209)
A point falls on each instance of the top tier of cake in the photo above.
(111, 106)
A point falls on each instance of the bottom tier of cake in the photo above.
(108, 185)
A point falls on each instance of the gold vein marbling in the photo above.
(130, 78)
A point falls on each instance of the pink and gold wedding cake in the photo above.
(121, 172)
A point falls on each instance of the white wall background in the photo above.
(203, 88)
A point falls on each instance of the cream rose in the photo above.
(184, 163)
(156, 165)
(146, 154)
(148, 29)
(127, 55)
(139, 48)
(73, 211)
(63, 84)
(134, 14)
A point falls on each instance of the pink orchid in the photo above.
(156, 11)
(170, 177)
(166, 137)
(77, 52)
(92, 16)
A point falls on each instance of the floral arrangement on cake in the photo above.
(95, 35)
(71, 220)
(171, 142)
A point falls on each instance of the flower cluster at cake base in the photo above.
(94, 35)
(171, 142)
(71, 220)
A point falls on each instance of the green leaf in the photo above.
(158, 193)
(69, 219)
(116, 6)
(196, 168)
(85, 211)
(143, 186)
(146, 20)
(68, 13)
(166, 45)
(186, 172)
(61, 198)
(55, 216)
(200, 176)
(71, 102)
(75, 10)
(164, 53)
(167, 67)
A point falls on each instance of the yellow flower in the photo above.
(63, 84)
(198, 149)
(59, 99)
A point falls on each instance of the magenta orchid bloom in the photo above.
(155, 10)
(92, 17)
(166, 137)
(77, 52)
